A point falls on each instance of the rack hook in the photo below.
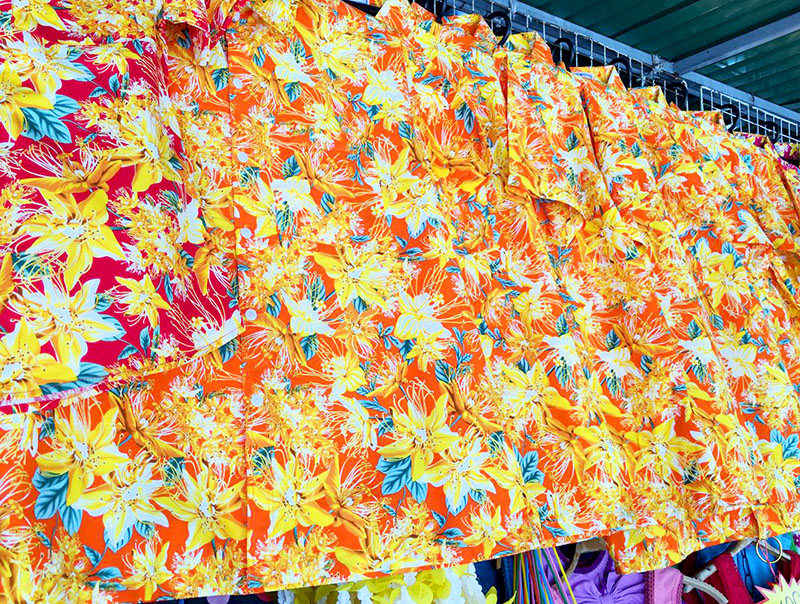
(624, 63)
(735, 111)
(505, 15)
(559, 43)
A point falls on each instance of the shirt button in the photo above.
(250, 314)
(246, 233)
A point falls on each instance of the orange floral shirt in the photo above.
(452, 342)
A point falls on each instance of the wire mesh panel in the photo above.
(590, 51)
(745, 117)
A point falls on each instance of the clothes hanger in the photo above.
(558, 43)
(678, 86)
(500, 14)
(690, 583)
(373, 10)
(626, 67)
(698, 580)
(772, 126)
(584, 547)
(430, 6)
(364, 7)
(735, 111)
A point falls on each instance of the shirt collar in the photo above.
(531, 46)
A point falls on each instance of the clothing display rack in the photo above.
(690, 91)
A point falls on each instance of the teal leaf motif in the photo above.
(112, 572)
(293, 90)
(290, 167)
(418, 490)
(52, 493)
(72, 518)
(228, 349)
(128, 351)
(117, 544)
(397, 474)
(612, 340)
(310, 345)
(43, 123)
(220, 77)
(444, 372)
(694, 330)
(93, 555)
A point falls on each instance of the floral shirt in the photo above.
(442, 354)
(117, 246)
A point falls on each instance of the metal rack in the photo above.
(757, 116)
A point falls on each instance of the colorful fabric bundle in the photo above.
(291, 296)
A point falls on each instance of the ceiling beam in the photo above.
(746, 41)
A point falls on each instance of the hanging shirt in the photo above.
(419, 377)
(117, 253)
(668, 322)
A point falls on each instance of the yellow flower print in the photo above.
(565, 509)
(356, 274)
(141, 298)
(727, 280)
(345, 372)
(440, 247)
(46, 65)
(700, 348)
(356, 426)
(306, 318)
(77, 229)
(13, 97)
(420, 436)
(27, 14)
(619, 361)
(81, 450)
(346, 500)
(388, 178)
(382, 88)
(295, 192)
(334, 49)
(529, 393)
(418, 316)
(662, 451)
(292, 500)
(77, 178)
(328, 179)
(778, 473)
(191, 228)
(287, 68)
(70, 321)
(750, 230)
(429, 348)
(606, 450)
(576, 159)
(23, 365)
(358, 330)
(148, 144)
(418, 206)
(148, 568)
(461, 470)
(208, 505)
(7, 285)
(125, 497)
(740, 359)
(486, 529)
(532, 304)
(113, 53)
(522, 493)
